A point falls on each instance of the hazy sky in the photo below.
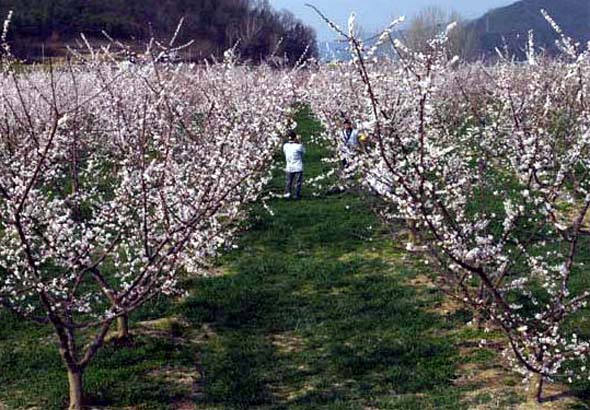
(373, 14)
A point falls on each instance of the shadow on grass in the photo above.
(314, 318)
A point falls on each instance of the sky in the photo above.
(374, 14)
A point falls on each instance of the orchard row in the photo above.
(117, 179)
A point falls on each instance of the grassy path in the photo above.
(313, 311)
(308, 318)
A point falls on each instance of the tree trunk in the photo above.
(412, 232)
(478, 319)
(535, 393)
(75, 379)
(123, 328)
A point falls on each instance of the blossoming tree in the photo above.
(491, 165)
(115, 178)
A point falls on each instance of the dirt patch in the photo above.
(447, 306)
(491, 385)
(187, 379)
(216, 272)
(185, 405)
(362, 254)
(166, 324)
(287, 343)
(5, 407)
(181, 376)
(489, 389)
(569, 214)
(202, 335)
(305, 390)
(168, 327)
(422, 281)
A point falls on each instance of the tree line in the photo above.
(44, 27)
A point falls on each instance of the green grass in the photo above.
(314, 311)
(312, 317)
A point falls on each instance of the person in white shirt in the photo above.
(349, 141)
(294, 152)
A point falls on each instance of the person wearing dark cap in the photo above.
(294, 152)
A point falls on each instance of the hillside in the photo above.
(44, 27)
(513, 22)
(499, 27)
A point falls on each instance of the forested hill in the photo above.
(44, 27)
(510, 25)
